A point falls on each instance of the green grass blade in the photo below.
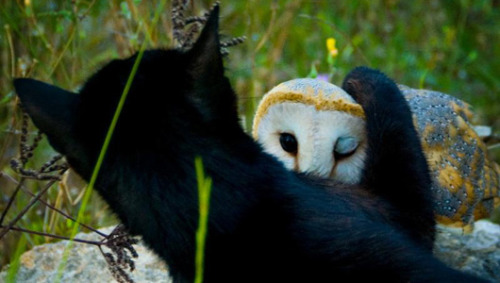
(204, 189)
(14, 265)
(102, 154)
(100, 159)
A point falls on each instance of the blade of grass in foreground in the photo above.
(14, 266)
(100, 159)
(204, 189)
(104, 148)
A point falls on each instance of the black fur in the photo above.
(395, 168)
(266, 224)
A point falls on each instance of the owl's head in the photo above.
(313, 127)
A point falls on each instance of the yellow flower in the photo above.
(330, 45)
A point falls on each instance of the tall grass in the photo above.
(448, 46)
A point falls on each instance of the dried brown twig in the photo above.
(178, 8)
(186, 29)
(120, 243)
(26, 152)
(7, 227)
(24, 189)
(52, 171)
(44, 173)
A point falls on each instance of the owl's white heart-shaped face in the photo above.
(323, 143)
(313, 127)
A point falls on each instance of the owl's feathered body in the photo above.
(320, 115)
(466, 180)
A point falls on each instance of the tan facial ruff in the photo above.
(466, 180)
(321, 94)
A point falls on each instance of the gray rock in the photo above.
(476, 253)
(85, 264)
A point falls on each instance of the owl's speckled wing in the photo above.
(466, 181)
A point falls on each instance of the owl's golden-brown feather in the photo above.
(466, 180)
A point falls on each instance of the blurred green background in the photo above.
(449, 46)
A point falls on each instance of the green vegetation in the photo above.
(449, 46)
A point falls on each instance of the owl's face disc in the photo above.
(314, 127)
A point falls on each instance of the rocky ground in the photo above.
(85, 264)
(477, 253)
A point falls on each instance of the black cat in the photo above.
(266, 224)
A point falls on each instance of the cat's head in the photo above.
(174, 96)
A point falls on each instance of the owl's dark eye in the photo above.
(288, 143)
(345, 147)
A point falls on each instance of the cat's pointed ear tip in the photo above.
(25, 86)
(19, 83)
(213, 18)
(216, 8)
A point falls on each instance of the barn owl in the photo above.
(315, 127)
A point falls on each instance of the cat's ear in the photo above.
(205, 56)
(51, 108)
(212, 94)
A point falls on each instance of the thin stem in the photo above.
(495, 146)
(58, 60)
(19, 229)
(11, 49)
(83, 15)
(11, 200)
(30, 204)
(56, 209)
